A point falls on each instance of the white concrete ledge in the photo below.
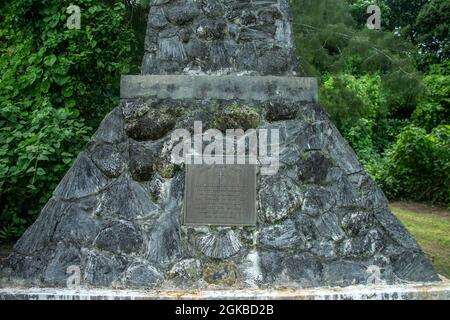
(435, 291)
(244, 88)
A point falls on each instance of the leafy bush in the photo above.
(417, 166)
(57, 84)
(349, 98)
(357, 106)
(433, 108)
(374, 92)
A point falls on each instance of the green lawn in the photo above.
(431, 229)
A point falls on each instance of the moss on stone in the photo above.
(166, 170)
(235, 116)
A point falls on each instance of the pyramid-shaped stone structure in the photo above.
(118, 213)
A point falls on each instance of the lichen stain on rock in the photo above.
(220, 273)
(237, 117)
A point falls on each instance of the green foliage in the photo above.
(431, 30)
(434, 107)
(330, 41)
(372, 88)
(360, 137)
(357, 106)
(349, 98)
(417, 166)
(57, 84)
(402, 14)
(424, 22)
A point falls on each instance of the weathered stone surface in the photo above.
(278, 197)
(220, 274)
(102, 270)
(142, 276)
(134, 109)
(171, 49)
(152, 126)
(280, 110)
(56, 271)
(111, 130)
(83, 179)
(281, 236)
(111, 160)
(117, 213)
(355, 223)
(126, 199)
(188, 270)
(304, 269)
(182, 13)
(396, 230)
(328, 226)
(345, 273)
(317, 200)
(164, 243)
(120, 237)
(231, 24)
(76, 226)
(363, 246)
(413, 266)
(219, 245)
(156, 17)
(314, 168)
(143, 156)
(39, 236)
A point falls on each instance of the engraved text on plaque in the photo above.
(220, 194)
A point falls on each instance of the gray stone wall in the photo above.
(252, 37)
(117, 214)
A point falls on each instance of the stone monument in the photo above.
(129, 217)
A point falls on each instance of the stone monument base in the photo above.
(417, 291)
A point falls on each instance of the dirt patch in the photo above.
(421, 208)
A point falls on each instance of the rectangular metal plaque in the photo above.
(220, 195)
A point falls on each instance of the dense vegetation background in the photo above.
(387, 90)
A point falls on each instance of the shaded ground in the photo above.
(431, 228)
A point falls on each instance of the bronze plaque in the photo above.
(220, 195)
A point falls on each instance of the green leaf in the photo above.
(50, 60)
(67, 92)
(70, 103)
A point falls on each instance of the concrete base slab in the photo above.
(434, 291)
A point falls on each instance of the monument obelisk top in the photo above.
(251, 37)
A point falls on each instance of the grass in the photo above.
(431, 229)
